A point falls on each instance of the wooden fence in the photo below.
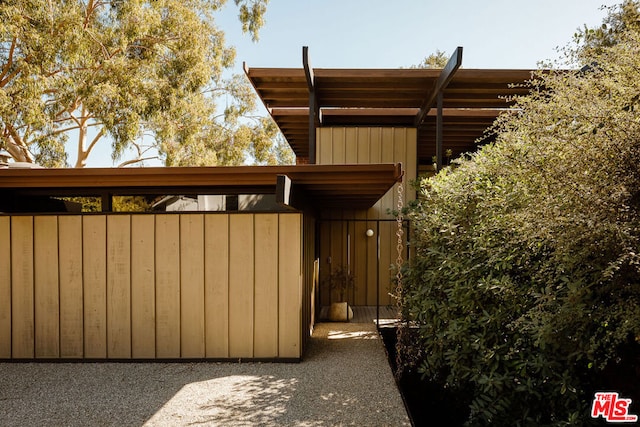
(145, 286)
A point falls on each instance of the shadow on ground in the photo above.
(344, 380)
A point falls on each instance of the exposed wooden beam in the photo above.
(445, 77)
(314, 115)
(439, 132)
(308, 71)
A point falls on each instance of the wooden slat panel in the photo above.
(192, 285)
(71, 294)
(338, 146)
(143, 295)
(363, 142)
(324, 146)
(167, 286)
(410, 164)
(95, 286)
(47, 308)
(22, 287)
(5, 287)
(375, 156)
(217, 285)
(289, 293)
(241, 285)
(266, 286)
(351, 146)
(119, 286)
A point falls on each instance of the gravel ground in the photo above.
(344, 380)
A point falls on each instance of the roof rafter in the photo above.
(446, 75)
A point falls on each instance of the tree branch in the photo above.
(7, 66)
(138, 160)
(95, 140)
(17, 147)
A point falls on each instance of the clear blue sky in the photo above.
(400, 33)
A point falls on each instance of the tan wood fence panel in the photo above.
(241, 286)
(94, 267)
(289, 295)
(217, 285)
(148, 286)
(266, 286)
(167, 286)
(192, 286)
(5, 287)
(71, 293)
(119, 286)
(143, 293)
(22, 322)
(46, 298)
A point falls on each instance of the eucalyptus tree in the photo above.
(148, 77)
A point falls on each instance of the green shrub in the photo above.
(525, 284)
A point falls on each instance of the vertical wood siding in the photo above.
(343, 239)
(168, 286)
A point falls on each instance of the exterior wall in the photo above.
(143, 286)
(342, 232)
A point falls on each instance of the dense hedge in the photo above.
(525, 280)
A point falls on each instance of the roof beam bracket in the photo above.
(447, 73)
(314, 110)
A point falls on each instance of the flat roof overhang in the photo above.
(472, 99)
(318, 186)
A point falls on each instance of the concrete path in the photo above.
(344, 380)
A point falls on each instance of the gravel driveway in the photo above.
(344, 380)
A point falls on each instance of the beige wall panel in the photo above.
(167, 286)
(241, 285)
(5, 287)
(410, 165)
(375, 152)
(95, 285)
(290, 297)
(363, 143)
(324, 149)
(266, 286)
(375, 156)
(47, 303)
(119, 286)
(192, 285)
(71, 294)
(338, 146)
(143, 295)
(351, 145)
(22, 297)
(217, 285)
